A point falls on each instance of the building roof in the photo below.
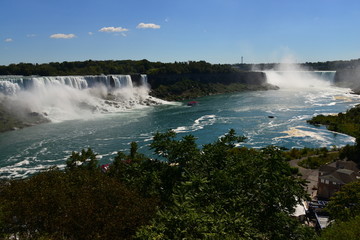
(333, 177)
(341, 172)
(327, 168)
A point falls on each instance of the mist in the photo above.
(66, 98)
(289, 75)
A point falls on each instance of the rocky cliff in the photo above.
(188, 86)
(348, 78)
(248, 78)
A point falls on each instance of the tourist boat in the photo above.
(192, 103)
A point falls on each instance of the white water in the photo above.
(300, 79)
(74, 97)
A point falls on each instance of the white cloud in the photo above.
(90, 33)
(63, 36)
(8, 40)
(31, 35)
(113, 29)
(148, 25)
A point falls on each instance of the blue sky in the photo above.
(217, 31)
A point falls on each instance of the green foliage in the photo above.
(91, 67)
(220, 191)
(231, 193)
(351, 153)
(345, 203)
(298, 153)
(80, 204)
(315, 161)
(348, 123)
(348, 230)
(178, 152)
(311, 157)
(150, 178)
(85, 159)
(344, 208)
(133, 150)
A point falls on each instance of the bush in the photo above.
(78, 204)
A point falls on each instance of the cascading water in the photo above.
(300, 79)
(328, 76)
(144, 80)
(70, 97)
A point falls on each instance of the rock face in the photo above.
(348, 78)
(247, 78)
(13, 121)
(176, 87)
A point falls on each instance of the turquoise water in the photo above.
(28, 150)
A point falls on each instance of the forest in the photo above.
(93, 67)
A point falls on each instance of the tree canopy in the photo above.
(228, 192)
(215, 191)
(92, 67)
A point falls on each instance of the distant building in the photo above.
(334, 175)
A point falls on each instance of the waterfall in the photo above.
(144, 80)
(10, 85)
(300, 79)
(61, 98)
(122, 81)
(328, 76)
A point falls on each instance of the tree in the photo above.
(150, 178)
(348, 230)
(78, 204)
(133, 150)
(345, 204)
(230, 193)
(86, 159)
(178, 152)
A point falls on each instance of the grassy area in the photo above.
(312, 158)
(314, 162)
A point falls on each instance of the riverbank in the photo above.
(348, 123)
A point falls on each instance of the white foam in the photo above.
(198, 124)
(75, 97)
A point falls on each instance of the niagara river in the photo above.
(84, 114)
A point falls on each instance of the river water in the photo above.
(275, 117)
